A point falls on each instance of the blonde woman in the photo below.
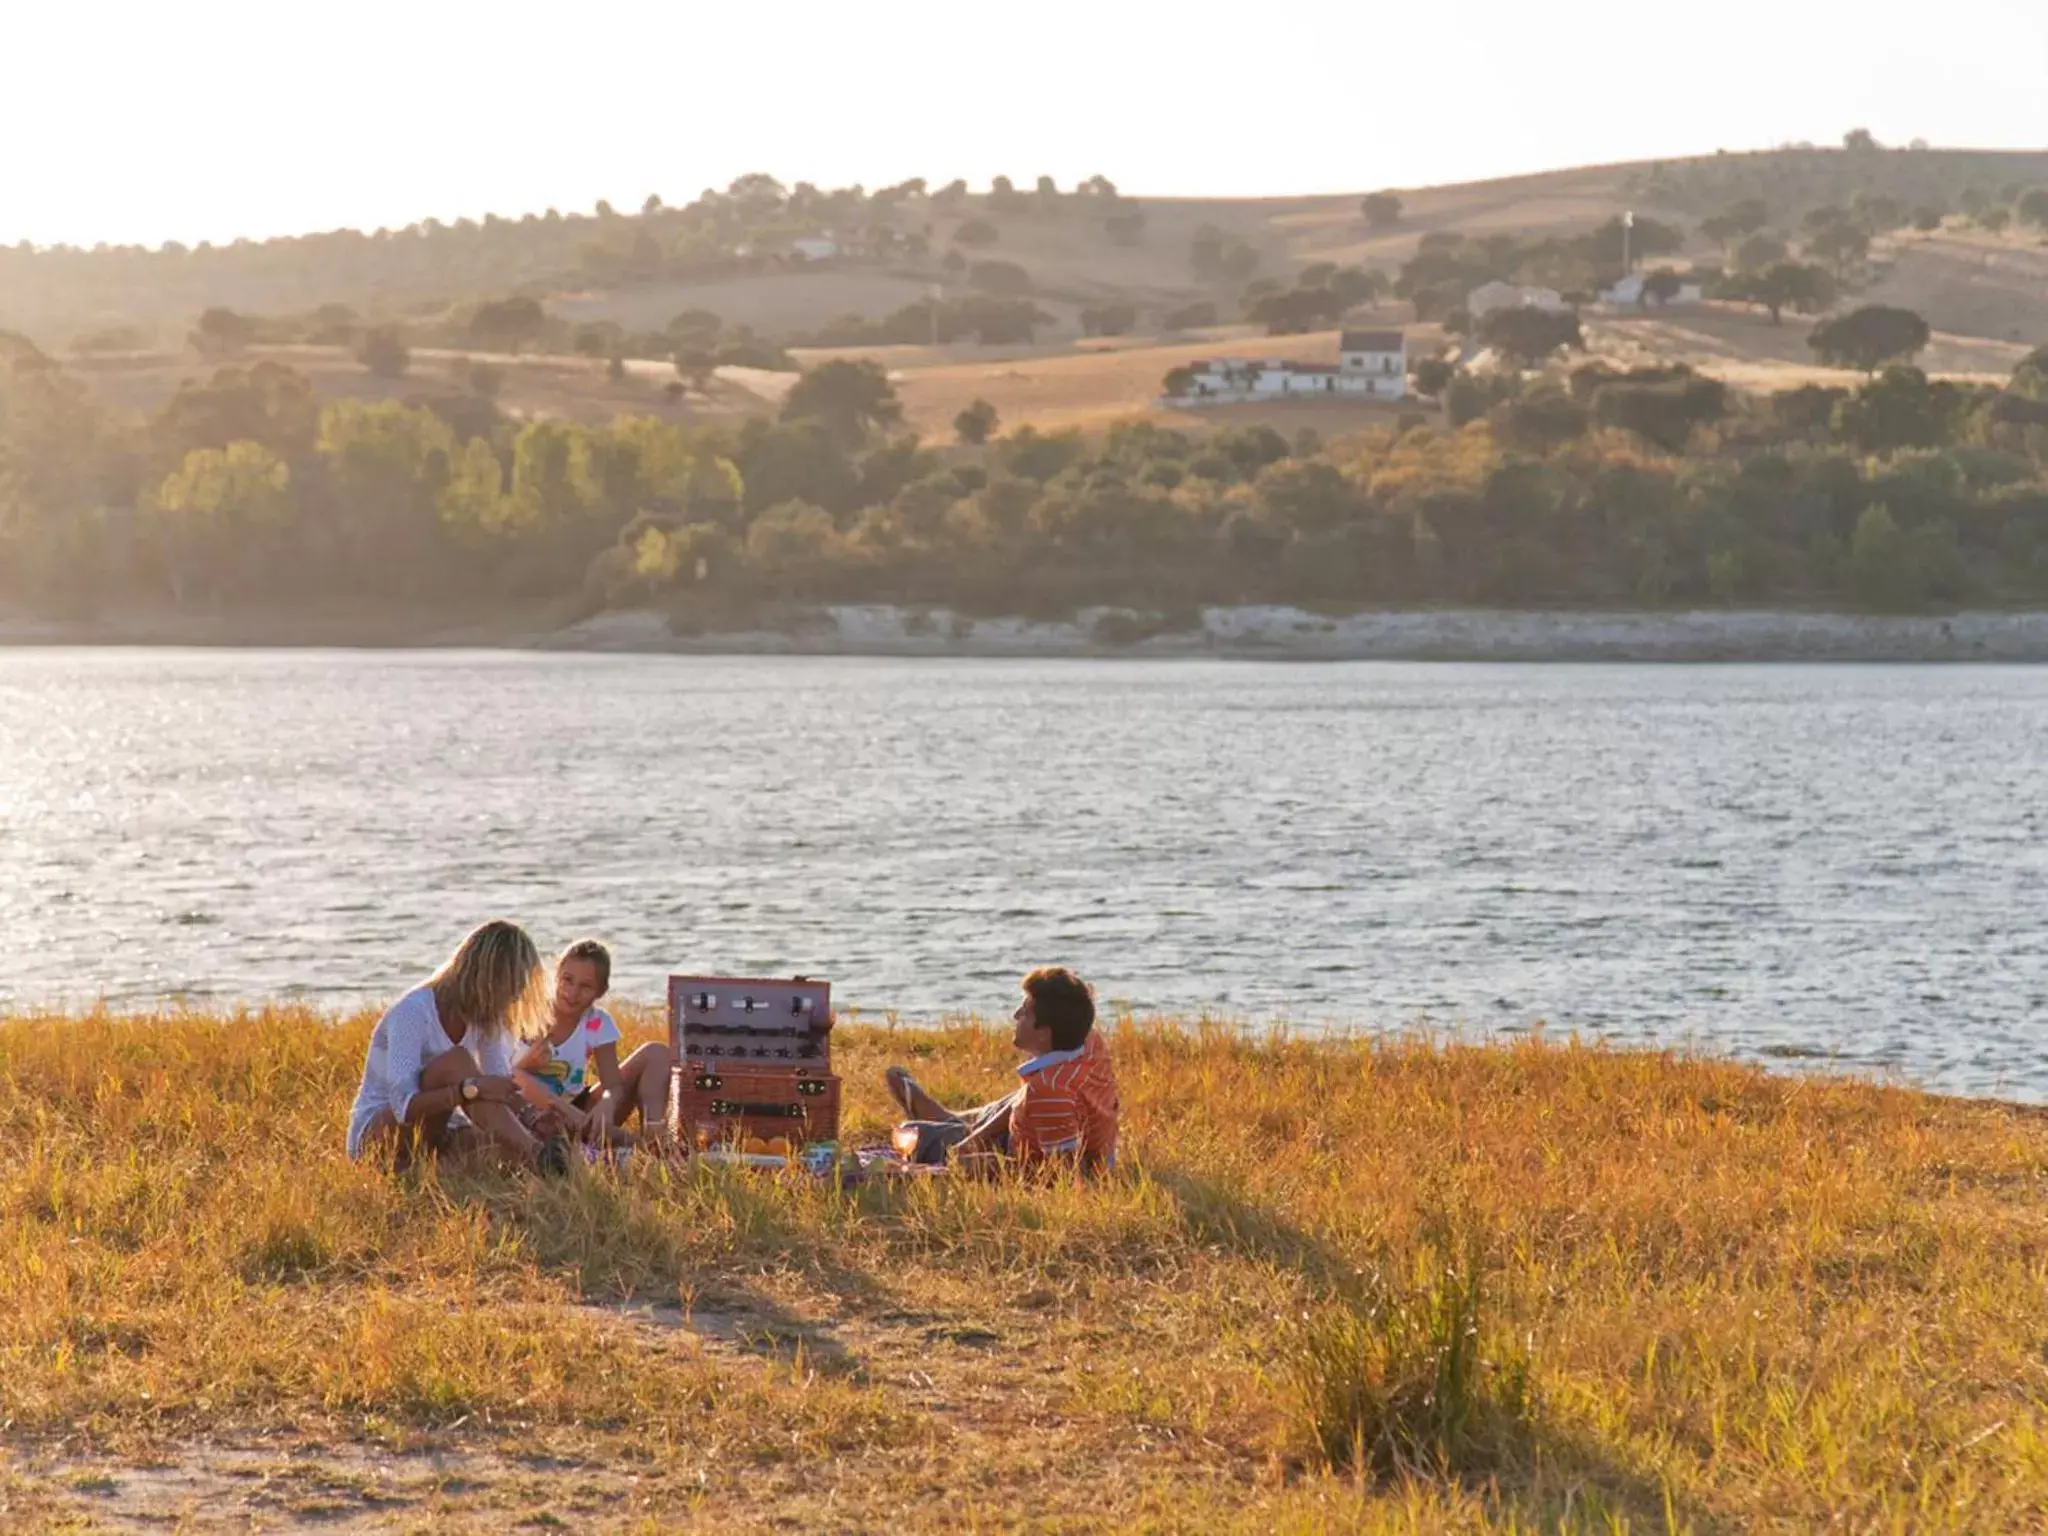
(445, 1051)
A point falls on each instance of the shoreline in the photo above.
(1248, 633)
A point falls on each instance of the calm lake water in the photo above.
(1848, 864)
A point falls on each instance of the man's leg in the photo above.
(915, 1103)
(499, 1123)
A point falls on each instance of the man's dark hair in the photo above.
(597, 955)
(1063, 1003)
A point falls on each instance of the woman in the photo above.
(572, 1072)
(440, 1061)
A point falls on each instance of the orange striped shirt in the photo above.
(1068, 1106)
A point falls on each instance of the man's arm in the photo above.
(981, 1150)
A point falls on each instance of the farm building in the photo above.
(1633, 289)
(1488, 297)
(1372, 365)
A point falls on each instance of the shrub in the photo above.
(1397, 1383)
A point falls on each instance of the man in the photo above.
(1064, 1112)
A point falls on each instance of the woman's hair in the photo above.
(1063, 1003)
(597, 955)
(493, 981)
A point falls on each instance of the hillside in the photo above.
(723, 255)
(614, 283)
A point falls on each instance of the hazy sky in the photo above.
(207, 119)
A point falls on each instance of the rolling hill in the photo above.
(1984, 290)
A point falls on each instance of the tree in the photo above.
(212, 512)
(1543, 420)
(1432, 375)
(1382, 210)
(1869, 337)
(1660, 287)
(268, 404)
(975, 232)
(507, 324)
(1112, 319)
(1860, 141)
(1880, 573)
(850, 398)
(1003, 277)
(1177, 382)
(1736, 220)
(2032, 206)
(1358, 285)
(975, 423)
(1785, 285)
(1294, 311)
(221, 332)
(695, 366)
(1525, 335)
(1839, 242)
(383, 352)
(1757, 252)
(695, 328)
(1898, 409)
(1663, 414)
(2030, 376)
(1640, 239)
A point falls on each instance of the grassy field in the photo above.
(1400, 1286)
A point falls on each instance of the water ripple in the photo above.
(1833, 867)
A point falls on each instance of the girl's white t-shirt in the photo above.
(405, 1040)
(567, 1072)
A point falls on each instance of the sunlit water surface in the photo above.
(1837, 864)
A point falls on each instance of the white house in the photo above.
(1372, 365)
(1629, 291)
(1488, 297)
(1380, 357)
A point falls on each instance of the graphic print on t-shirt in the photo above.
(567, 1069)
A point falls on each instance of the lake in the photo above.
(1844, 865)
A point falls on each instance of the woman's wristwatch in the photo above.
(469, 1090)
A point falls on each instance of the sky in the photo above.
(212, 119)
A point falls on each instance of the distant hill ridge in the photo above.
(1064, 243)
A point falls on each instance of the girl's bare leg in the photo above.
(643, 1082)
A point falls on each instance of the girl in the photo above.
(573, 1071)
(440, 1061)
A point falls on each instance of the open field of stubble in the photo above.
(1336, 1286)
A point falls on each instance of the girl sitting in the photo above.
(572, 1071)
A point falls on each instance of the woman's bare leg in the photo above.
(498, 1122)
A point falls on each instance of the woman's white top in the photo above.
(405, 1040)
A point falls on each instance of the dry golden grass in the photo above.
(1738, 343)
(1706, 1299)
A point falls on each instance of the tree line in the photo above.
(1649, 488)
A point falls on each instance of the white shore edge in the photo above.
(1276, 633)
(1293, 634)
